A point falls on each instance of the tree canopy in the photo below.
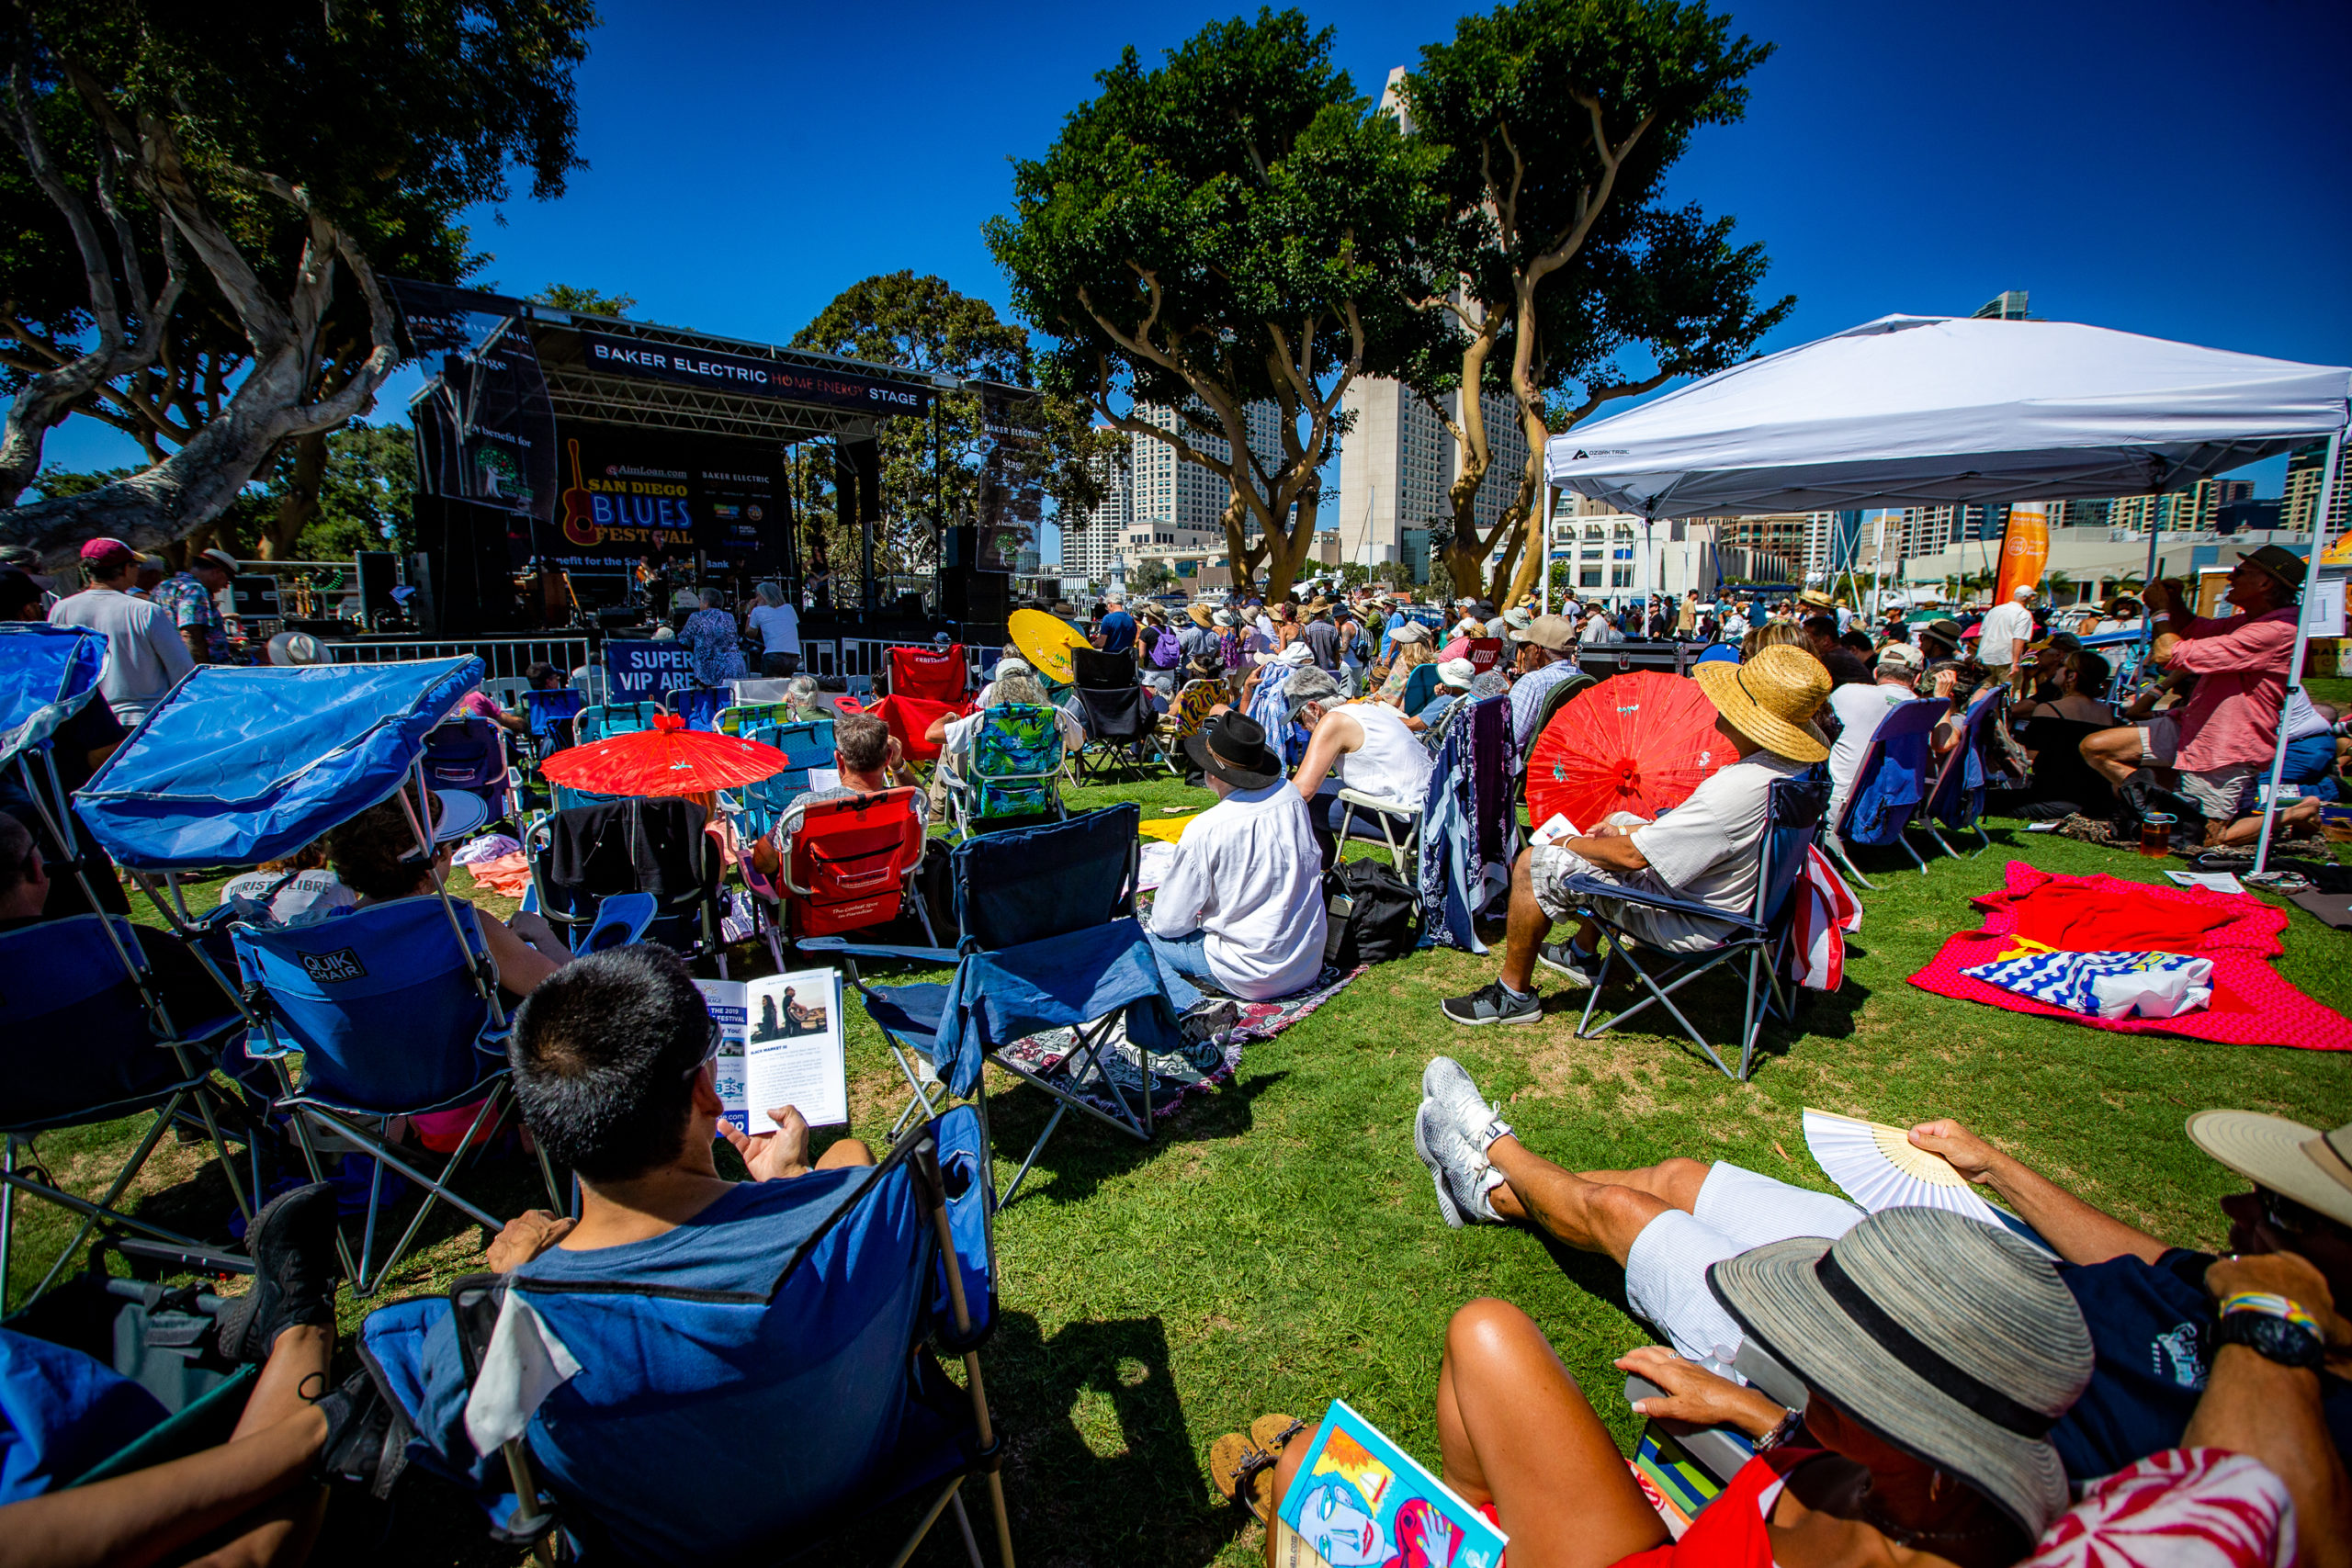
(224, 183)
(1566, 282)
(1232, 227)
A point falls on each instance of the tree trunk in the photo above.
(300, 504)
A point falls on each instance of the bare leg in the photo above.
(2114, 753)
(1516, 1431)
(1591, 1216)
(2248, 829)
(1529, 926)
(138, 1519)
(848, 1151)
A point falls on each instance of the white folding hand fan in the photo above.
(1878, 1167)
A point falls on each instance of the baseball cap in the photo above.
(1554, 633)
(103, 548)
(1902, 654)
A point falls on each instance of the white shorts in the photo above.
(2220, 793)
(1666, 1268)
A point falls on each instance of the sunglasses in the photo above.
(2287, 1218)
(710, 1051)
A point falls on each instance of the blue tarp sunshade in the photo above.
(239, 766)
(46, 674)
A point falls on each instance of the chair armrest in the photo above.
(1593, 888)
(1380, 803)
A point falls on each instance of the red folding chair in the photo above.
(909, 719)
(934, 675)
(853, 865)
(1485, 653)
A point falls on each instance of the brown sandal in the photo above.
(1243, 1467)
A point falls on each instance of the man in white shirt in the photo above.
(145, 654)
(1705, 850)
(2005, 630)
(1242, 906)
(1861, 708)
(1365, 747)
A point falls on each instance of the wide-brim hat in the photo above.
(1817, 599)
(1947, 1337)
(1232, 746)
(2313, 1167)
(1944, 630)
(1199, 614)
(1771, 699)
(2280, 562)
(1411, 631)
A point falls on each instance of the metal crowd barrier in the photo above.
(507, 658)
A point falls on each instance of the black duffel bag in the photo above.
(1375, 917)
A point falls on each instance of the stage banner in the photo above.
(485, 426)
(719, 372)
(634, 493)
(641, 671)
(2025, 549)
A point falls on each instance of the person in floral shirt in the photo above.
(190, 598)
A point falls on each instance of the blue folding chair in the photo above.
(601, 721)
(87, 1037)
(1102, 984)
(1759, 936)
(394, 1007)
(1009, 773)
(756, 808)
(1890, 784)
(698, 705)
(1956, 797)
(722, 1424)
(583, 856)
(469, 754)
(744, 718)
(552, 715)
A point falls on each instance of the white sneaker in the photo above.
(1479, 1120)
(1456, 1168)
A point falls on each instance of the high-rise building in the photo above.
(1399, 463)
(1090, 542)
(1809, 541)
(2008, 305)
(2300, 497)
(1159, 492)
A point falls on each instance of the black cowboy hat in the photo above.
(1233, 746)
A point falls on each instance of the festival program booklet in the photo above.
(1360, 1499)
(781, 1043)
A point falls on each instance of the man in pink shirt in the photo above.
(2229, 731)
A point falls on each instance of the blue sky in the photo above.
(2172, 168)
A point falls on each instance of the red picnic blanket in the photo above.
(2252, 1006)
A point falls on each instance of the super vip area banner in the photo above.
(632, 493)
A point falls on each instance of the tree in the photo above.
(1233, 228)
(1150, 577)
(924, 325)
(1557, 120)
(584, 301)
(229, 180)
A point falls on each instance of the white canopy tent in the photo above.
(1933, 410)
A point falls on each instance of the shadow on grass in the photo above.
(1085, 1153)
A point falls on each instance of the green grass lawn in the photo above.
(1279, 1245)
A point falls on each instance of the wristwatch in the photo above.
(2271, 1326)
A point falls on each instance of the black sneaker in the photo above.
(291, 1242)
(1492, 1004)
(1559, 956)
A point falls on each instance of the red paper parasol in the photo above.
(669, 759)
(1639, 743)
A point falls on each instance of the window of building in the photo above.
(1620, 577)
(1588, 577)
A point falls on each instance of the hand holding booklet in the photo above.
(1359, 1498)
(780, 1045)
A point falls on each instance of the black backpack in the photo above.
(1375, 917)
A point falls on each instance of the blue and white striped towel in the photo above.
(2105, 985)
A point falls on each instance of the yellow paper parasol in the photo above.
(1044, 642)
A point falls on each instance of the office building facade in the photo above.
(1398, 465)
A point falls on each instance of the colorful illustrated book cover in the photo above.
(1360, 1499)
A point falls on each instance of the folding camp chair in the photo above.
(469, 754)
(1421, 687)
(394, 1008)
(1485, 653)
(937, 675)
(1956, 796)
(1393, 817)
(1795, 806)
(87, 1037)
(698, 705)
(552, 715)
(852, 865)
(583, 854)
(1185, 714)
(1011, 774)
(1101, 983)
(755, 808)
(1020, 886)
(741, 719)
(601, 721)
(727, 1426)
(1888, 785)
(1111, 707)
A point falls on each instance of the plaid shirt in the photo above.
(191, 604)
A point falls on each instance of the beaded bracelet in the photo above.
(2270, 1305)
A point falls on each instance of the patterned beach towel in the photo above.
(2102, 984)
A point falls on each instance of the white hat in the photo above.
(1457, 672)
(1411, 631)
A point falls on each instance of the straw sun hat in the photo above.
(1945, 1337)
(1771, 699)
(2313, 1167)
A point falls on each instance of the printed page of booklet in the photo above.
(792, 1049)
